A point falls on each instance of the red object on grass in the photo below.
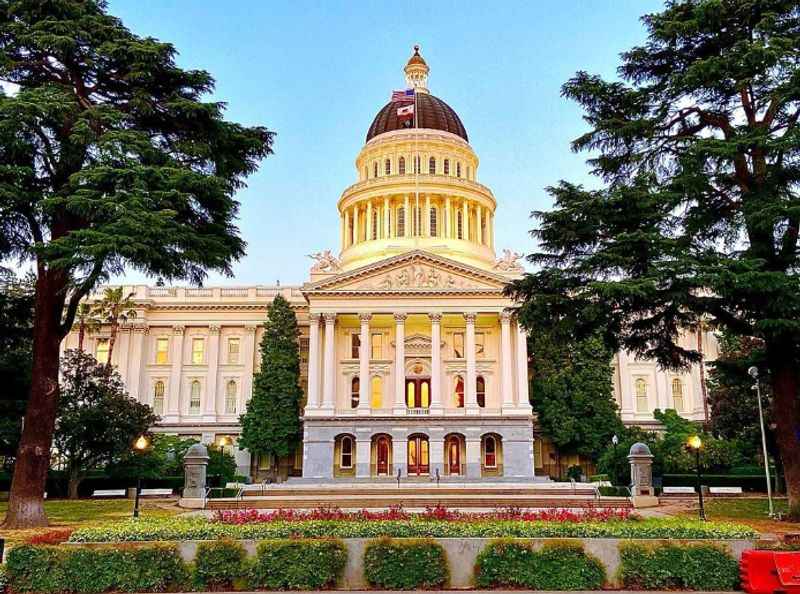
(766, 572)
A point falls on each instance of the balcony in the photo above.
(418, 412)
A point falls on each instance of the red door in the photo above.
(454, 456)
(418, 456)
(383, 456)
(418, 393)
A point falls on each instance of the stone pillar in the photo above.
(448, 218)
(465, 219)
(523, 401)
(400, 456)
(506, 360)
(407, 216)
(386, 228)
(355, 224)
(426, 224)
(400, 364)
(473, 457)
(470, 396)
(436, 454)
(176, 369)
(210, 405)
(368, 222)
(195, 463)
(436, 363)
(346, 239)
(363, 366)
(363, 456)
(329, 382)
(138, 356)
(478, 230)
(313, 362)
(249, 352)
(641, 461)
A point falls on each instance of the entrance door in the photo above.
(418, 455)
(383, 456)
(418, 392)
(454, 456)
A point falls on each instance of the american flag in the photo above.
(403, 96)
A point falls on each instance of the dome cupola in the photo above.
(417, 72)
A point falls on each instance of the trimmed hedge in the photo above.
(52, 569)
(677, 567)
(298, 564)
(193, 528)
(757, 482)
(405, 565)
(220, 564)
(556, 566)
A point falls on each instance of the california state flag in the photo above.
(406, 112)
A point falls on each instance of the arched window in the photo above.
(458, 169)
(346, 452)
(355, 392)
(480, 391)
(459, 392)
(677, 394)
(432, 166)
(459, 224)
(641, 395)
(374, 224)
(433, 221)
(401, 166)
(387, 167)
(376, 389)
(401, 221)
(490, 451)
(230, 398)
(447, 166)
(194, 397)
(158, 398)
(375, 169)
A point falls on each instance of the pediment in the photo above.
(414, 272)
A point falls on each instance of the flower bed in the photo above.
(160, 529)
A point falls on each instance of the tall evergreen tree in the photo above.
(271, 424)
(698, 146)
(109, 158)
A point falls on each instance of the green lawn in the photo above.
(743, 508)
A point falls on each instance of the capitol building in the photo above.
(413, 361)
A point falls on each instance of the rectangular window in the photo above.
(101, 351)
(377, 346)
(480, 344)
(162, 350)
(233, 351)
(458, 345)
(194, 397)
(355, 346)
(198, 348)
(640, 386)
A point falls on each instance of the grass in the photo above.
(744, 508)
(85, 514)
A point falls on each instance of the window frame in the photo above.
(351, 446)
(432, 166)
(355, 392)
(401, 166)
(202, 342)
(238, 342)
(463, 340)
(480, 394)
(159, 396)
(486, 454)
(642, 397)
(373, 346)
(165, 341)
(195, 410)
(231, 397)
(459, 394)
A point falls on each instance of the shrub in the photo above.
(405, 565)
(575, 473)
(668, 567)
(599, 478)
(298, 564)
(3, 579)
(218, 564)
(47, 569)
(556, 566)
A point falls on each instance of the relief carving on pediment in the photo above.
(416, 276)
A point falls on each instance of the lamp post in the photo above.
(140, 446)
(615, 442)
(695, 443)
(753, 372)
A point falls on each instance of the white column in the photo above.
(249, 352)
(329, 382)
(507, 357)
(368, 222)
(176, 369)
(426, 224)
(465, 217)
(448, 219)
(478, 230)
(363, 365)
(400, 364)
(138, 336)
(436, 363)
(408, 218)
(346, 239)
(355, 224)
(313, 362)
(470, 395)
(523, 403)
(212, 361)
(386, 229)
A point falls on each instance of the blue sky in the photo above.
(317, 72)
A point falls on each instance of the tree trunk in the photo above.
(81, 334)
(111, 341)
(26, 500)
(786, 400)
(72, 486)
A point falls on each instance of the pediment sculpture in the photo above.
(325, 261)
(418, 276)
(509, 262)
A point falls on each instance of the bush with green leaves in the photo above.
(405, 564)
(55, 569)
(298, 564)
(3, 579)
(677, 567)
(219, 564)
(556, 566)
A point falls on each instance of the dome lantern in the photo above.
(417, 72)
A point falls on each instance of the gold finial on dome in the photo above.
(417, 72)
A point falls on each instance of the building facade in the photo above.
(412, 359)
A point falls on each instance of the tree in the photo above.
(114, 308)
(85, 322)
(572, 384)
(16, 332)
(97, 421)
(109, 158)
(697, 221)
(271, 423)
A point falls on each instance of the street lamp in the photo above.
(753, 372)
(695, 443)
(615, 442)
(140, 446)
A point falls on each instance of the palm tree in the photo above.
(85, 322)
(114, 308)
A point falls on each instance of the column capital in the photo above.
(329, 317)
(251, 328)
(400, 317)
(364, 318)
(506, 315)
(435, 317)
(214, 328)
(314, 317)
(178, 330)
(469, 318)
